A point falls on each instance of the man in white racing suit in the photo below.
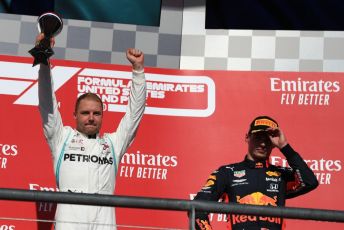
(84, 161)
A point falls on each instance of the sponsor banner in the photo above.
(195, 121)
(147, 166)
(8, 152)
(304, 91)
(324, 169)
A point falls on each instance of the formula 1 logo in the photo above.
(21, 79)
(167, 95)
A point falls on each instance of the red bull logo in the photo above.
(257, 198)
(273, 173)
(212, 177)
(203, 224)
(237, 219)
(210, 182)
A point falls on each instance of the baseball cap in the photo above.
(262, 123)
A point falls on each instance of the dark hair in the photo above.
(91, 96)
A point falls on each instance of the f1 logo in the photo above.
(21, 79)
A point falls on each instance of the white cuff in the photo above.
(139, 71)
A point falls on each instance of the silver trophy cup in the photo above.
(50, 24)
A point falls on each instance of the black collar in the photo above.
(94, 136)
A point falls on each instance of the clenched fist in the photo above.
(136, 58)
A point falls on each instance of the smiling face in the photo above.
(259, 146)
(89, 116)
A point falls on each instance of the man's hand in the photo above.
(40, 37)
(136, 58)
(277, 137)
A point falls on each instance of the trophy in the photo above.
(50, 24)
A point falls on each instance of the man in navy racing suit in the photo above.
(84, 161)
(255, 181)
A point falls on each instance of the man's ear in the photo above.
(74, 115)
(246, 137)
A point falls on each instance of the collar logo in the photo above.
(259, 165)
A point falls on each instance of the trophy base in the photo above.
(41, 55)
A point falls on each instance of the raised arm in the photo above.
(48, 107)
(301, 178)
(127, 128)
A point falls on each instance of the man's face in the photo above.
(89, 116)
(259, 146)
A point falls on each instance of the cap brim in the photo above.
(258, 130)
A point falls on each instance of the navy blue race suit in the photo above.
(257, 183)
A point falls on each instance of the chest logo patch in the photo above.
(273, 173)
(240, 173)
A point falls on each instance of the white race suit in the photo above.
(86, 165)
